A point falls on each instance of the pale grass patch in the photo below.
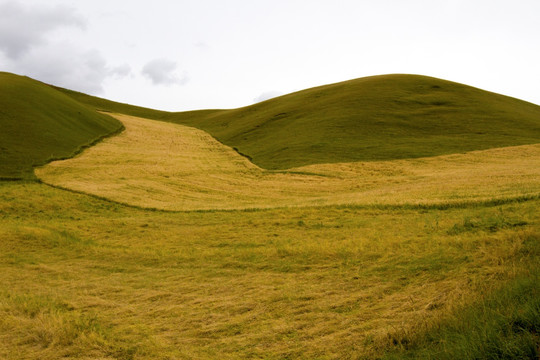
(167, 166)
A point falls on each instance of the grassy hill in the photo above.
(112, 106)
(86, 277)
(374, 118)
(39, 124)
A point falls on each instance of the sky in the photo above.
(200, 54)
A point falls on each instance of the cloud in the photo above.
(30, 45)
(267, 95)
(162, 72)
(121, 71)
(76, 69)
(22, 28)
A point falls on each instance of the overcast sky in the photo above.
(197, 54)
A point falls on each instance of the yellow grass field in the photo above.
(162, 243)
(82, 278)
(167, 166)
(298, 276)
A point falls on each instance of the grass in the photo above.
(368, 119)
(105, 105)
(503, 324)
(433, 256)
(82, 277)
(166, 166)
(40, 124)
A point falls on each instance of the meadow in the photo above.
(391, 217)
(155, 164)
(88, 278)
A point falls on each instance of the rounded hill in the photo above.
(39, 124)
(373, 118)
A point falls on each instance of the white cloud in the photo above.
(23, 28)
(162, 72)
(66, 66)
(267, 95)
(29, 45)
(121, 71)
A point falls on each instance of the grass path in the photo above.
(167, 166)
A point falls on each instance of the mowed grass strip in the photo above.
(167, 166)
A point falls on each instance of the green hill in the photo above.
(373, 118)
(113, 106)
(39, 123)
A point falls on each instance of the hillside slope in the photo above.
(155, 164)
(374, 118)
(39, 124)
(101, 104)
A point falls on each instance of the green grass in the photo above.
(39, 124)
(504, 324)
(373, 118)
(112, 106)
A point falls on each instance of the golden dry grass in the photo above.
(81, 277)
(167, 166)
(85, 278)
